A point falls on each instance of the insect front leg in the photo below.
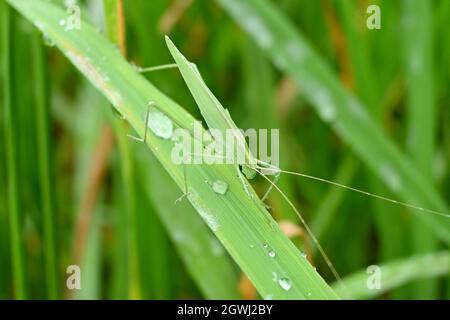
(186, 192)
(267, 167)
(243, 182)
(147, 115)
(275, 180)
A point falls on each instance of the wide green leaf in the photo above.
(243, 225)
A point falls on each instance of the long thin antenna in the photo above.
(308, 230)
(446, 215)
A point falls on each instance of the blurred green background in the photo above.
(73, 191)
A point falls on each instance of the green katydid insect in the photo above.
(219, 118)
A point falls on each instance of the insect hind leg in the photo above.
(275, 180)
(243, 182)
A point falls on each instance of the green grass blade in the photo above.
(154, 251)
(368, 84)
(91, 264)
(5, 276)
(44, 163)
(421, 125)
(292, 53)
(326, 213)
(11, 144)
(114, 25)
(395, 274)
(199, 249)
(242, 226)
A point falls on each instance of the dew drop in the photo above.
(326, 108)
(62, 22)
(285, 284)
(272, 254)
(159, 124)
(274, 276)
(116, 113)
(220, 187)
(265, 245)
(47, 40)
(303, 254)
(391, 177)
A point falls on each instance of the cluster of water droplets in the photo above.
(270, 252)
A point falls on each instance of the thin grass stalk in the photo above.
(396, 274)
(44, 163)
(15, 225)
(115, 29)
(422, 120)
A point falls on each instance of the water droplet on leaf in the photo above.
(285, 284)
(220, 187)
(47, 40)
(117, 113)
(159, 124)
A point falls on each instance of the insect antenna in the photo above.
(408, 205)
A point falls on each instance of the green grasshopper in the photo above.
(219, 118)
